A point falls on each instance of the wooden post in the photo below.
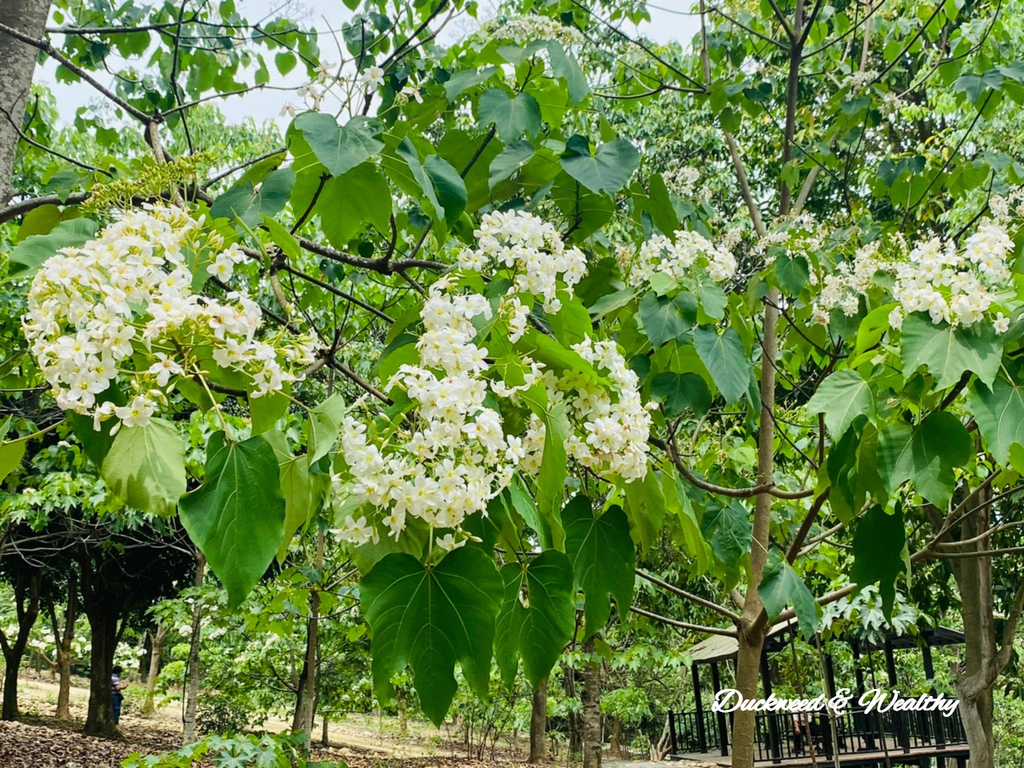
(899, 720)
(773, 723)
(723, 727)
(702, 739)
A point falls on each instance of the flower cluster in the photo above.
(615, 422)
(677, 257)
(456, 448)
(523, 30)
(120, 312)
(958, 285)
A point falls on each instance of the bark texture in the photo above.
(188, 718)
(305, 705)
(985, 654)
(591, 710)
(539, 724)
(63, 636)
(17, 66)
(26, 603)
(156, 649)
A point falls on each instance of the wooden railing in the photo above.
(781, 736)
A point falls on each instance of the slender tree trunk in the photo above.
(26, 598)
(156, 649)
(752, 627)
(62, 640)
(63, 685)
(324, 739)
(188, 718)
(18, 66)
(974, 685)
(539, 724)
(591, 709)
(305, 705)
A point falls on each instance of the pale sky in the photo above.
(670, 20)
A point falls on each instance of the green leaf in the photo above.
(450, 188)
(249, 203)
(282, 238)
(949, 352)
(725, 360)
(603, 560)
(145, 467)
(512, 117)
(728, 529)
(611, 302)
(406, 151)
(665, 319)
(351, 201)
(842, 397)
(339, 148)
(10, 457)
(688, 535)
(927, 455)
(324, 425)
(467, 78)
(999, 412)
(792, 272)
(30, 254)
(645, 506)
(571, 324)
(781, 586)
(588, 211)
(565, 66)
(537, 616)
(236, 517)
(265, 411)
(302, 492)
(513, 157)
(553, 468)
(880, 553)
(679, 391)
(656, 203)
(607, 170)
(429, 618)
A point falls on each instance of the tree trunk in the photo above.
(103, 624)
(324, 739)
(156, 648)
(305, 705)
(19, 64)
(26, 599)
(591, 709)
(974, 582)
(188, 718)
(615, 749)
(62, 640)
(539, 724)
(63, 685)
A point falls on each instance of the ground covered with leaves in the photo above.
(48, 744)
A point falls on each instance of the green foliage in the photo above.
(537, 616)
(234, 751)
(602, 558)
(429, 618)
(781, 586)
(237, 516)
(880, 553)
(145, 467)
(607, 170)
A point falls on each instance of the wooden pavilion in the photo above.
(852, 739)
